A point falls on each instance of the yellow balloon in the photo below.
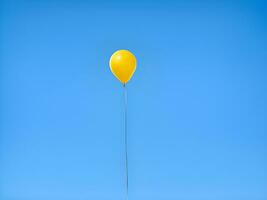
(122, 64)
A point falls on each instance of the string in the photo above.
(125, 138)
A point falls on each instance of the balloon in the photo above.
(122, 65)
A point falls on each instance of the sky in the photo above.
(197, 111)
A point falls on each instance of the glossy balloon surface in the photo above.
(123, 64)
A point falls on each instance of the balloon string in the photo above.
(125, 137)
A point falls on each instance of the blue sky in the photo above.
(197, 102)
